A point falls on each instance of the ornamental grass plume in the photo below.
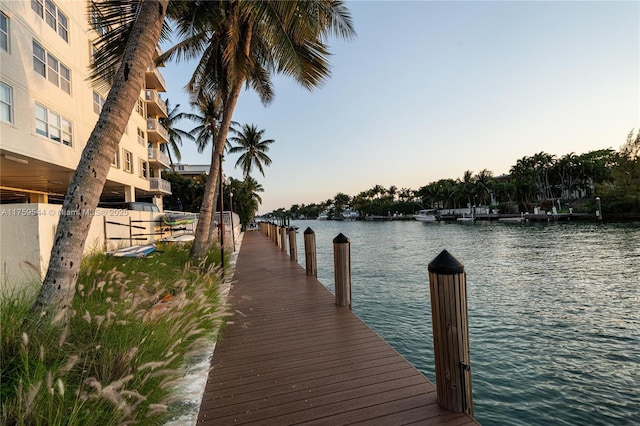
(110, 364)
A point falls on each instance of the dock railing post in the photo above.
(447, 283)
(283, 238)
(310, 252)
(293, 245)
(342, 270)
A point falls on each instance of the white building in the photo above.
(48, 109)
(192, 170)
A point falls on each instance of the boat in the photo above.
(429, 215)
(178, 219)
(348, 214)
(323, 216)
(134, 251)
(184, 238)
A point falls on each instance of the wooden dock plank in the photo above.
(289, 356)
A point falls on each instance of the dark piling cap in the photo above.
(446, 264)
(308, 231)
(340, 239)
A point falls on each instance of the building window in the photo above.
(140, 107)
(39, 59)
(144, 169)
(65, 79)
(42, 121)
(98, 103)
(127, 158)
(98, 23)
(50, 68)
(66, 128)
(4, 32)
(47, 10)
(38, 7)
(116, 159)
(6, 103)
(141, 138)
(53, 126)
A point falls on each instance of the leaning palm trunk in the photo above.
(216, 191)
(83, 194)
(201, 242)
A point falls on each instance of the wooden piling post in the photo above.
(342, 270)
(293, 245)
(448, 289)
(310, 252)
(283, 238)
(598, 210)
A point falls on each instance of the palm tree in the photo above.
(124, 53)
(246, 199)
(207, 127)
(249, 141)
(175, 134)
(207, 119)
(484, 185)
(468, 187)
(243, 43)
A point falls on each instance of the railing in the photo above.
(156, 155)
(153, 125)
(151, 95)
(159, 77)
(160, 185)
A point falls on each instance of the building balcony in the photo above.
(159, 157)
(154, 80)
(156, 131)
(155, 105)
(159, 185)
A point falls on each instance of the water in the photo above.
(554, 310)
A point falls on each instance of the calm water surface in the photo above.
(554, 310)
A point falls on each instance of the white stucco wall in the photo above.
(27, 232)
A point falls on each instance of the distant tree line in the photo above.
(537, 181)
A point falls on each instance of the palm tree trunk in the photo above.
(82, 197)
(201, 243)
(216, 191)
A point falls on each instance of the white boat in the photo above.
(323, 216)
(348, 214)
(134, 251)
(183, 238)
(429, 215)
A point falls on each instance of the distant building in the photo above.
(192, 170)
(48, 109)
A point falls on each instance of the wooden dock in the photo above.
(290, 356)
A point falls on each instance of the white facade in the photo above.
(48, 109)
(192, 169)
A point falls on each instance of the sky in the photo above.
(427, 90)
